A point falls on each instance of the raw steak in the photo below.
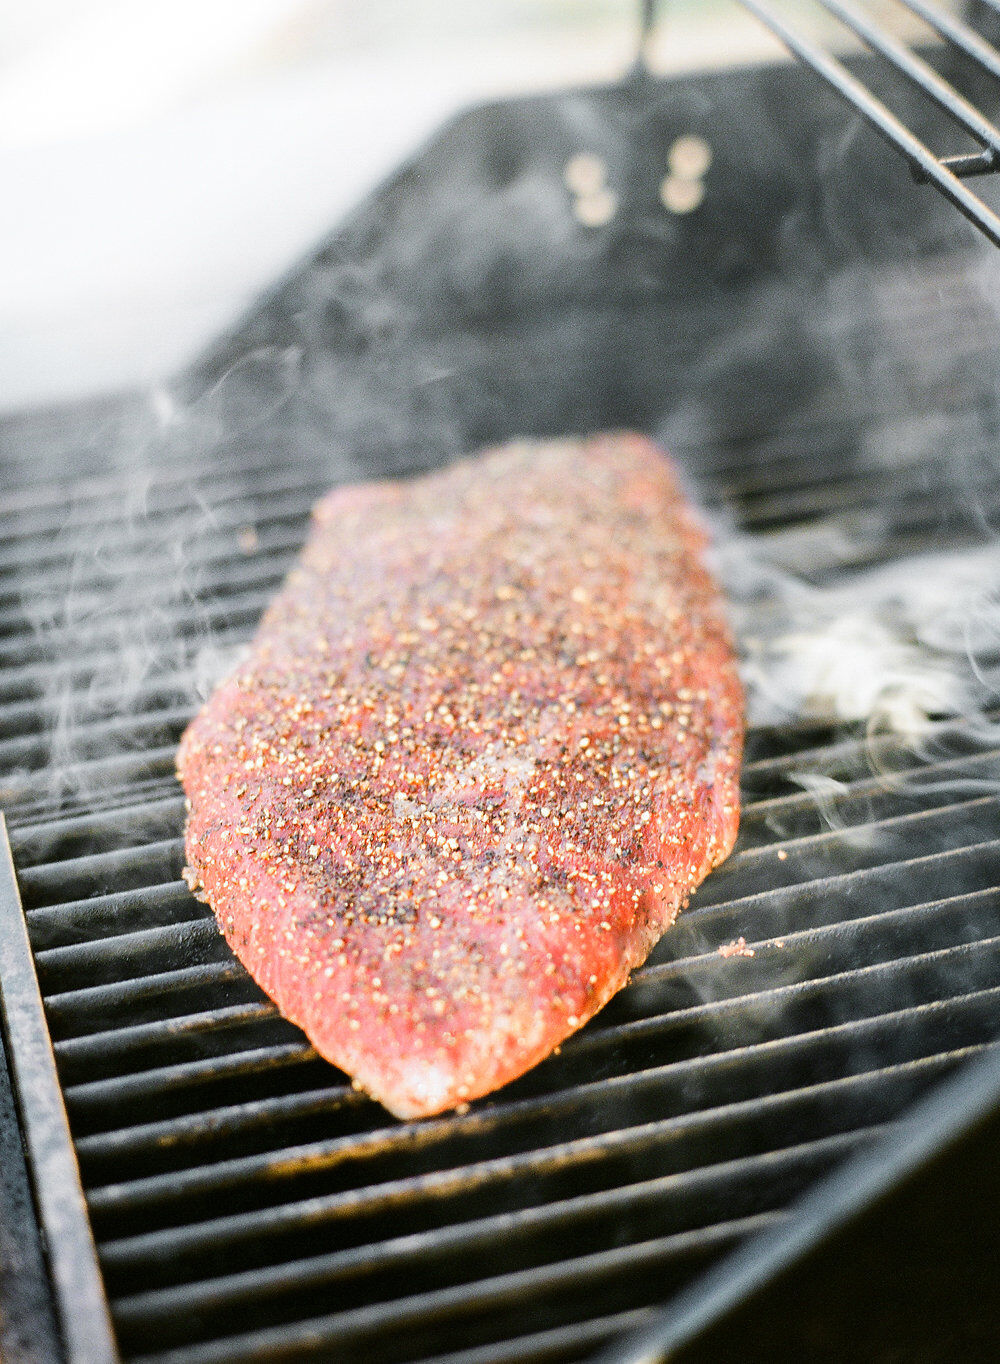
(485, 745)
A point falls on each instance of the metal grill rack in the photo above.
(244, 1202)
(978, 57)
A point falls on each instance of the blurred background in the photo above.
(163, 161)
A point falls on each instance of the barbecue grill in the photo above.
(739, 1136)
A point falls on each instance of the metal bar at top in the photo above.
(647, 21)
(918, 71)
(958, 34)
(920, 158)
(969, 163)
(88, 1336)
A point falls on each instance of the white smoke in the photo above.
(892, 646)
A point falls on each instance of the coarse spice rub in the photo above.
(484, 746)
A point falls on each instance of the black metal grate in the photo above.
(247, 1203)
(962, 41)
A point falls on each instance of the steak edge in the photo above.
(484, 746)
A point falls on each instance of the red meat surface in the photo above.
(484, 746)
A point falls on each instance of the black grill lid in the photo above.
(245, 1201)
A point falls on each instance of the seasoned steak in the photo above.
(484, 746)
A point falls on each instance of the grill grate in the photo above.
(946, 173)
(246, 1203)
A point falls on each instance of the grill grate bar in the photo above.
(96, 735)
(148, 817)
(878, 974)
(874, 1092)
(208, 568)
(960, 35)
(31, 841)
(914, 779)
(822, 931)
(561, 1345)
(47, 616)
(221, 559)
(88, 919)
(74, 571)
(46, 589)
(319, 1155)
(88, 778)
(114, 1045)
(874, 804)
(920, 73)
(79, 1007)
(119, 781)
(49, 877)
(223, 1123)
(280, 490)
(93, 641)
(61, 496)
(63, 966)
(275, 530)
(935, 865)
(971, 817)
(188, 1130)
(42, 625)
(163, 1079)
(913, 512)
(158, 1309)
(874, 749)
(61, 675)
(82, 958)
(41, 714)
(128, 1046)
(807, 497)
(48, 881)
(781, 1063)
(835, 941)
(921, 159)
(510, 1292)
(898, 923)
